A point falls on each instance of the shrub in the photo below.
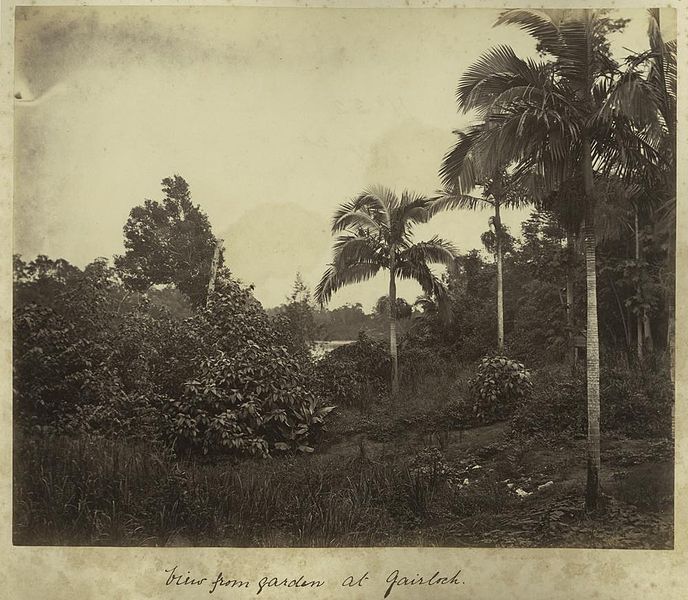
(355, 373)
(499, 384)
(338, 380)
(250, 393)
(555, 406)
(225, 378)
(636, 402)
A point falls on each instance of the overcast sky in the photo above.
(273, 116)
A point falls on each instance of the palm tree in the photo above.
(554, 118)
(376, 234)
(461, 171)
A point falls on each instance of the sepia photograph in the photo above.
(344, 278)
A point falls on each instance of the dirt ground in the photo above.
(547, 480)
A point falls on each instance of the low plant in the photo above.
(498, 386)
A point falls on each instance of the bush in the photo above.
(355, 373)
(499, 384)
(636, 403)
(556, 405)
(338, 380)
(250, 393)
(228, 377)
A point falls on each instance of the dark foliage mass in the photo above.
(252, 390)
(535, 276)
(635, 403)
(92, 356)
(355, 374)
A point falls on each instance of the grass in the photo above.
(88, 491)
(93, 492)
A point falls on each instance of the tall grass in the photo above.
(98, 492)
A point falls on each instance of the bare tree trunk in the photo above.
(648, 340)
(393, 322)
(500, 281)
(213, 269)
(592, 340)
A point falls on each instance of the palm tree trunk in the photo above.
(393, 323)
(500, 281)
(592, 339)
(639, 313)
(671, 308)
(570, 324)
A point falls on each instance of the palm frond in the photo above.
(375, 202)
(494, 73)
(432, 286)
(543, 25)
(458, 170)
(351, 249)
(347, 218)
(335, 278)
(447, 200)
(412, 209)
(434, 251)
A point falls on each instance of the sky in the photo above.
(273, 116)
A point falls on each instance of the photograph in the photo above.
(343, 278)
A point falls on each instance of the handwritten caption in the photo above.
(178, 577)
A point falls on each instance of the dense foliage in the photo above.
(635, 403)
(249, 392)
(355, 374)
(169, 242)
(498, 386)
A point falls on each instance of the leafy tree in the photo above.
(250, 392)
(299, 312)
(68, 359)
(377, 228)
(169, 242)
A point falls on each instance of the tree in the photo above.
(464, 168)
(300, 314)
(376, 232)
(555, 119)
(169, 242)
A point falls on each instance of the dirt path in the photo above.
(456, 440)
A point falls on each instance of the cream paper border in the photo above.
(55, 573)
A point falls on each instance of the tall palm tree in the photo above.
(376, 234)
(554, 118)
(461, 171)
